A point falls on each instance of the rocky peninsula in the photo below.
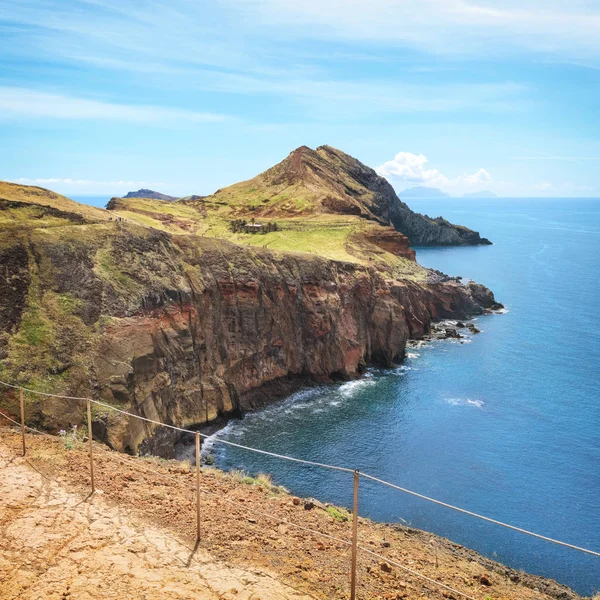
(165, 309)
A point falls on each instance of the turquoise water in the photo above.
(507, 424)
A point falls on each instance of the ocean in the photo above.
(506, 424)
(99, 201)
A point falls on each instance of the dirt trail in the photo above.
(136, 539)
(54, 545)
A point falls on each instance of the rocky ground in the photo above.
(136, 538)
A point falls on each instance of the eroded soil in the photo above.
(136, 538)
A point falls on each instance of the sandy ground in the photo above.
(136, 538)
(55, 544)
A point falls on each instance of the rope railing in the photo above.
(132, 463)
(357, 474)
(181, 429)
(478, 516)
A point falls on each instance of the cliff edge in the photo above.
(187, 328)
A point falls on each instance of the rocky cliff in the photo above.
(185, 329)
(327, 180)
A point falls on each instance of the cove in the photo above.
(506, 424)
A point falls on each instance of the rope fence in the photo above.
(355, 547)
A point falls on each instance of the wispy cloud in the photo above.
(458, 27)
(241, 47)
(407, 169)
(20, 102)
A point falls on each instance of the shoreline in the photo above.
(438, 333)
(278, 391)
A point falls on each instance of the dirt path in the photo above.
(136, 539)
(54, 545)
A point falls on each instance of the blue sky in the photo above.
(186, 96)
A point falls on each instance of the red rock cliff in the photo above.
(184, 330)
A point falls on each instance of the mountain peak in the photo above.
(329, 181)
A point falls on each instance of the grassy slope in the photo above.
(40, 197)
(328, 235)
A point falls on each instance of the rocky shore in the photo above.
(203, 328)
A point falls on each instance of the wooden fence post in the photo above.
(89, 420)
(354, 537)
(22, 419)
(197, 487)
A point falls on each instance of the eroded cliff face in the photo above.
(185, 329)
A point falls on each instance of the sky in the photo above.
(100, 97)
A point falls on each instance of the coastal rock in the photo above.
(483, 296)
(145, 193)
(313, 503)
(390, 240)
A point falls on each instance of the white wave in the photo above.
(464, 402)
(413, 355)
(209, 442)
(347, 389)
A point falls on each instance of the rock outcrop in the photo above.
(184, 329)
(327, 180)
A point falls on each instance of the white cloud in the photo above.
(21, 102)
(409, 170)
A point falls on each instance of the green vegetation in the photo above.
(332, 236)
(262, 480)
(51, 340)
(337, 514)
(72, 438)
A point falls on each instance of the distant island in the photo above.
(423, 192)
(480, 194)
(144, 193)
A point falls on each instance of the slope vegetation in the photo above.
(327, 180)
(164, 308)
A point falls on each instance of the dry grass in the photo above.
(43, 197)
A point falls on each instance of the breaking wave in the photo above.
(464, 402)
